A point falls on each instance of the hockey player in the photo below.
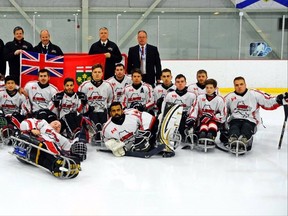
(199, 87)
(40, 92)
(139, 95)
(124, 135)
(210, 111)
(243, 115)
(182, 97)
(119, 81)
(11, 100)
(12, 103)
(50, 131)
(161, 90)
(99, 93)
(48, 149)
(70, 105)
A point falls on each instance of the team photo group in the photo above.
(134, 109)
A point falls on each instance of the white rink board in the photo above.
(258, 73)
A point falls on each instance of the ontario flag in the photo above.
(261, 4)
(76, 66)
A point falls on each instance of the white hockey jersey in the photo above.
(39, 97)
(142, 95)
(16, 103)
(125, 132)
(46, 131)
(160, 91)
(68, 104)
(118, 87)
(216, 107)
(146, 118)
(98, 97)
(187, 100)
(248, 106)
(199, 90)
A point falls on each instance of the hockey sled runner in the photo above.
(46, 156)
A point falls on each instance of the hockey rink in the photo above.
(191, 183)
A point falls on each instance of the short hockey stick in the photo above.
(284, 125)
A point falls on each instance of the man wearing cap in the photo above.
(12, 51)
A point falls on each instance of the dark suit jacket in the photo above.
(153, 63)
(2, 59)
(52, 49)
(116, 57)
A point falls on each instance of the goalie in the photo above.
(124, 135)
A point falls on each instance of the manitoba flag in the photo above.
(262, 4)
(76, 66)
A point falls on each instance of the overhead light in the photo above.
(162, 11)
(216, 13)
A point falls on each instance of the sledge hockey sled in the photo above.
(30, 150)
(168, 133)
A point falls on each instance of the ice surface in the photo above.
(191, 183)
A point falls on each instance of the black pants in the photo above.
(241, 127)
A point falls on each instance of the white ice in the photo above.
(191, 183)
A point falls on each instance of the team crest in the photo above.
(83, 73)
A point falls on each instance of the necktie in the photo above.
(103, 44)
(142, 50)
(45, 49)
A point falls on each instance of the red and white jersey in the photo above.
(216, 107)
(68, 104)
(39, 97)
(160, 91)
(186, 101)
(118, 87)
(198, 90)
(124, 132)
(142, 95)
(248, 106)
(146, 118)
(98, 97)
(16, 103)
(46, 131)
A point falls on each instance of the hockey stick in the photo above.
(284, 125)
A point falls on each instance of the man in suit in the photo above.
(146, 57)
(109, 49)
(45, 46)
(2, 60)
(13, 50)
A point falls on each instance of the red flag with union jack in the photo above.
(59, 67)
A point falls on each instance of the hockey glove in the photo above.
(57, 98)
(138, 106)
(159, 103)
(206, 118)
(189, 123)
(116, 146)
(83, 98)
